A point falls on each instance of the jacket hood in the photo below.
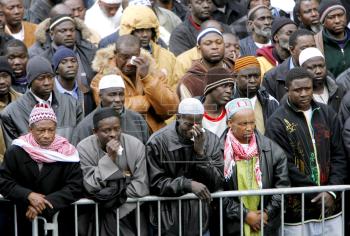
(104, 60)
(267, 53)
(42, 30)
(139, 17)
(197, 68)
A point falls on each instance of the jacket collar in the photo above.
(314, 106)
(331, 86)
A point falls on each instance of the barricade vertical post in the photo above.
(302, 213)
(118, 225)
(262, 215)
(15, 219)
(76, 219)
(138, 219)
(180, 218)
(35, 227)
(343, 211)
(282, 214)
(200, 218)
(159, 220)
(221, 218)
(96, 220)
(241, 210)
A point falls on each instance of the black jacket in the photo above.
(172, 165)
(336, 93)
(273, 165)
(288, 127)
(274, 80)
(60, 182)
(268, 103)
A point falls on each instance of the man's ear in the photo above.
(250, 26)
(275, 38)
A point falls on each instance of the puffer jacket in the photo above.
(15, 116)
(150, 96)
(274, 168)
(132, 20)
(172, 165)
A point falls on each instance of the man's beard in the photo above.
(264, 32)
(316, 28)
(284, 44)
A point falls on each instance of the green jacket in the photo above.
(337, 59)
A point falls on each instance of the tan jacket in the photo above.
(14, 96)
(150, 96)
(29, 33)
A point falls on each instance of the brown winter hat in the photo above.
(216, 77)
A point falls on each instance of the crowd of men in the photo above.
(117, 99)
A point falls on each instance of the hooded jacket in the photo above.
(133, 20)
(194, 81)
(274, 169)
(337, 58)
(172, 165)
(150, 96)
(288, 128)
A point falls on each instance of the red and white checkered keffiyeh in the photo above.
(234, 151)
(59, 150)
(40, 112)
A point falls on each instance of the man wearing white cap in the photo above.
(325, 90)
(104, 16)
(252, 162)
(185, 158)
(112, 94)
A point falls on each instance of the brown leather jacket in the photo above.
(150, 96)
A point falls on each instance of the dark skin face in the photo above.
(317, 67)
(108, 129)
(306, 41)
(123, 57)
(2, 19)
(261, 24)
(109, 9)
(5, 83)
(18, 58)
(212, 48)
(64, 34)
(14, 12)
(283, 34)
(44, 132)
(232, 48)
(78, 8)
(186, 123)
(201, 10)
(248, 81)
(242, 125)
(308, 13)
(145, 36)
(335, 23)
(42, 86)
(68, 68)
(220, 95)
(112, 97)
(300, 93)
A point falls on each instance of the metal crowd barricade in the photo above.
(218, 195)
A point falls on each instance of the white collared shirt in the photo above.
(39, 100)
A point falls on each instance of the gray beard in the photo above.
(265, 33)
(284, 44)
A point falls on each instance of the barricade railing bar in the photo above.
(53, 226)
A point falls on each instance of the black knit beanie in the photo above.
(5, 66)
(278, 23)
(327, 6)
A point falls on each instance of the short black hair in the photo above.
(299, 33)
(297, 73)
(127, 40)
(15, 43)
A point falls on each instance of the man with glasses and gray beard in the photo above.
(259, 23)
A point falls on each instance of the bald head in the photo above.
(60, 9)
(127, 41)
(212, 24)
